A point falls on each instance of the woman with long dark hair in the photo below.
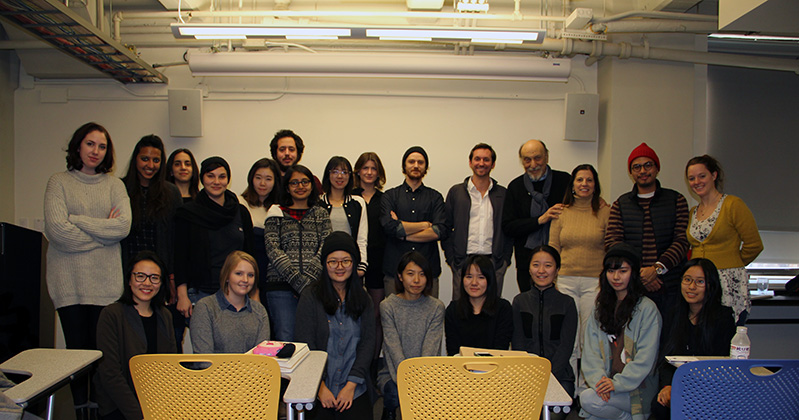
(347, 212)
(182, 170)
(701, 326)
(621, 342)
(335, 315)
(480, 317)
(86, 214)
(294, 232)
(138, 323)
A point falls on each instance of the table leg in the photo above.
(289, 412)
(546, 412)
(50, 405)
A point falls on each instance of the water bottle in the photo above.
(739, 346)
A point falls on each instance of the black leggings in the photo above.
(79, 323)
(361, 409)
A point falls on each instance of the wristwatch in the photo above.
(660, 268)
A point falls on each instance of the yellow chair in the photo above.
(472, 388)
(232, 386)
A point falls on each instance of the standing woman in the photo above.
(263, 184)
(621, 342)
(701, 327)
(413, 324)
(228, 321)
(368, 179)
(136, 324)
(347, 212)
(579, 236)
(294, 232)
(480, 317)
(335, 315)
(183, 172)
(86, 214)
(208, 229)
(723, 230)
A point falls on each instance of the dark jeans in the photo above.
(79, 323)
(361, 409)
(390, 396)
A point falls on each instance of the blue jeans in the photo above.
(390, 396)
(195, 295)
(282, 308)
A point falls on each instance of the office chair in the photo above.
(736, 389)
(472, 388)
(206, 386)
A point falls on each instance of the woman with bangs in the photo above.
(480, 317)
(294, 232)
(229, 321)
(621, 342)
(138, 323)
(347, 212)
(182, 170)
(701, 326)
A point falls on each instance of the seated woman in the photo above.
(413, 324)
(621, 342)
(479, 318)
(138, 323)
(544, 319)
(701, 326)
(335, 315)
(228, 321)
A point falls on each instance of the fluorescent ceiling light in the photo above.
(500, 36)
(220, 37)
(754, 38)
(216, 31)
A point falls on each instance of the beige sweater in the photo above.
(84, 261)
(579, 236)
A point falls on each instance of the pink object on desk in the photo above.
(268, 348)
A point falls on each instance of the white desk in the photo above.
(304, 384)
(556, 397)
(49, 370)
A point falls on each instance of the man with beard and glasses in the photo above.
(413, 219)
(653, 220)
(533, 200)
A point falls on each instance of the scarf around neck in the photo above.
(538, 206)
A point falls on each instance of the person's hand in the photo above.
(664, 396)
(394, 215)
(184, 306)
(551, 213)
(650, 280)
(114, 213)
(604, 386)
(326, 397)
(361, 273)
(344, 399)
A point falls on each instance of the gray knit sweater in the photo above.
(411, 328)
(84, 265)
(216, 326)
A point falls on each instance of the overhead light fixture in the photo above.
(241, 31)
(755, 38)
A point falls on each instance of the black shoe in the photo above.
(389, 414)
(82, 413)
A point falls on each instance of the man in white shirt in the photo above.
(474, 217)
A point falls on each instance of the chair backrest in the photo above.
(228, 386)
(736, 389)
(472, 388)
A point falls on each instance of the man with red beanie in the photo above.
(653, 220)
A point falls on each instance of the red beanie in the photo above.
(642, 151)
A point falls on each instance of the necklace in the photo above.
(703, 210)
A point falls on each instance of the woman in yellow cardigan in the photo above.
(723, 230)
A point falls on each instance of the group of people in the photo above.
(352, 270)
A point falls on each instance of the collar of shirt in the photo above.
(543, 177)
(473, 189)
(408, 188)
(225, 305)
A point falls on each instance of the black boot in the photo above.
(389, 414)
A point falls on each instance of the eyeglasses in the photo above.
(341, 263)
(339, 172)
(141, 277)
(698, 282)
(294, 183)
(637, 167)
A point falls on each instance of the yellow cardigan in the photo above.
(734, 240)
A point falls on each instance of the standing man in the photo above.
(413, 219)
(286, 148)
(653, 220)
(533, 200)
(474, 219)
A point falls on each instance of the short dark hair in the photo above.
(333, 163)
(381, 172)
(249, 193)
(285, 197)
(162, 296)
(73, 149)
(418, 259)
(712, 165)
(486, 267)
(286, 133)
(568, 198)
(549, 250)
(194, 181)
(483, 146)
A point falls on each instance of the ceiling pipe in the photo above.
(655, 15)
(654, 25)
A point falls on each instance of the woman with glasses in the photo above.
(347, 212)
(335, 315)
(138, 323)
(294, 232)
(701, 326)
(723, 230)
